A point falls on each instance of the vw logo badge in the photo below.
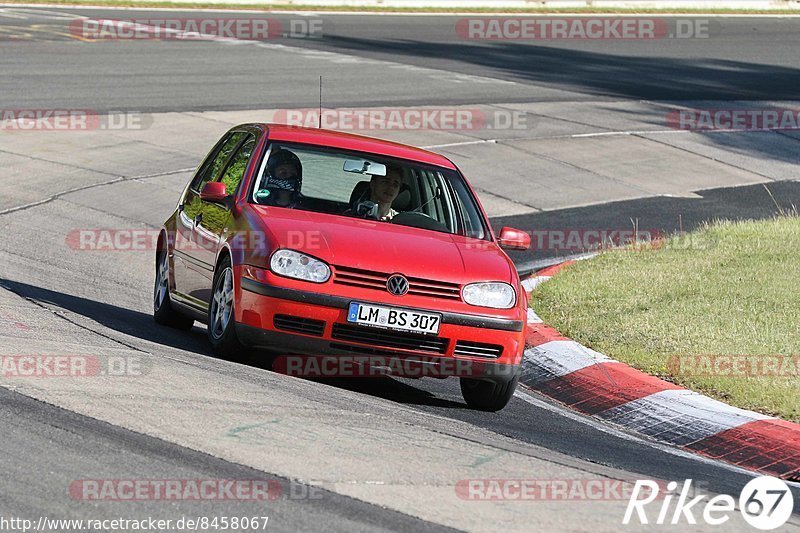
(397, 284)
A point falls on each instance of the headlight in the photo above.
(496, 295)
(299, 266)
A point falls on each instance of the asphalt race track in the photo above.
(593, 147)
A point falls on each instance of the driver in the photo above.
(384, 190)
(284, 179)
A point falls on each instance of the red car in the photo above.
(319, 243)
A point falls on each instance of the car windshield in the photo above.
(368, 186)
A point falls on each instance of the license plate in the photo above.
(393, 318)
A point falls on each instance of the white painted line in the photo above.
(607, 134)
(322, 55)
(573, 136)
(530, 14)
(619, 133)
(341, 58)
(10, 14)
(38, 13)
(465, 143)
(679, 417)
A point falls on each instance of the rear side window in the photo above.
(235, 171)
(213, 165)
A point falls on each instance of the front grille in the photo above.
(298, 324)
(390, 339)
(360, 278)
(369, 279)
(477, 349)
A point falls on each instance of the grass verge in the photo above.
(716, 310)
(376, 9)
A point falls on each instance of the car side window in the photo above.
(433, 203)
(235, 172)
(212, 168)
(471, 218)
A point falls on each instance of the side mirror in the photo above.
(514, 239)
(214, 191)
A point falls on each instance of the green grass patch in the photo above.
(267, 6)
(728, 289)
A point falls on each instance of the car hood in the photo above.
(388, 248)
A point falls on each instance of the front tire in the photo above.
(221, 327)
(488, 395)
(163, 312)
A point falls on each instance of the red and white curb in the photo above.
(594, 384)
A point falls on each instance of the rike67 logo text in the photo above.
(765, 503)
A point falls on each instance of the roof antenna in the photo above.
(319, 118)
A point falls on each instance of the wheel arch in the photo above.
(161, 242)
(224, 251)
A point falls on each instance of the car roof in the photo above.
(358, 143)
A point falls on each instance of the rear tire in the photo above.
(221, 324)
(163, 312)
(488, 395)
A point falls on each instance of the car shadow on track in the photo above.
(603, 73)
(121, 319)
(399, 390)
(393, 390)
(141, 325)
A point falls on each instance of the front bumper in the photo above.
(489, 341)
